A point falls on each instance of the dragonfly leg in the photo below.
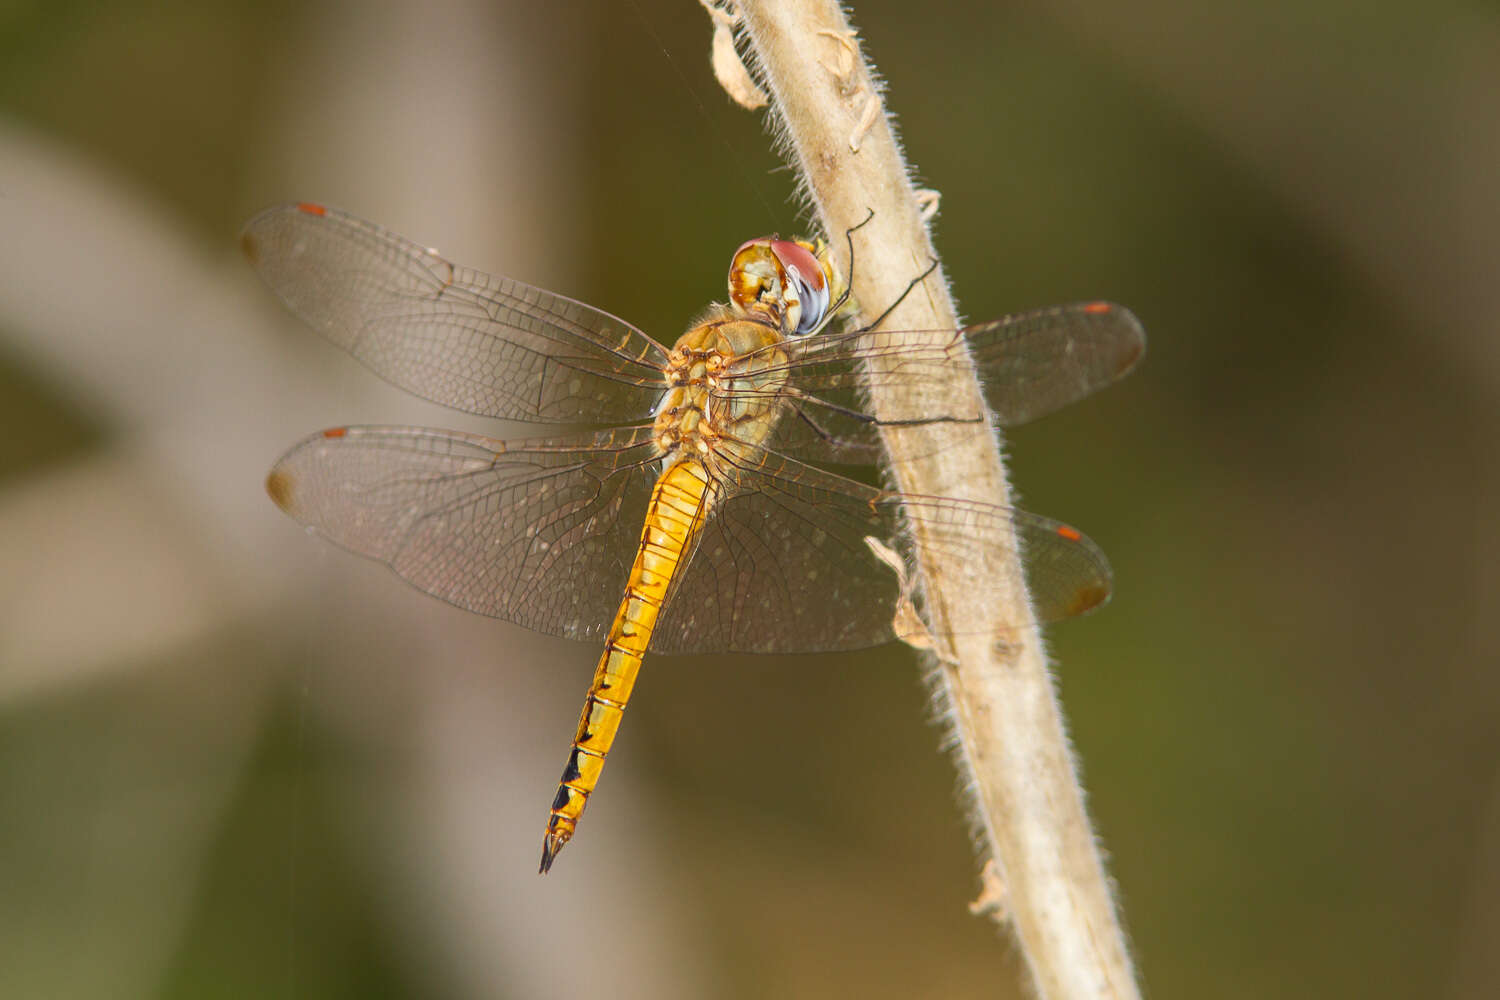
(902, 297)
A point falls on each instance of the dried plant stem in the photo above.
(992, 666)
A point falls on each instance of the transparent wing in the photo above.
(783, 565)
(540, 533)
(1038, 362)
(456, 336)
(543, 534)
(1030, 365)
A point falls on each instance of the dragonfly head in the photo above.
(788, 282)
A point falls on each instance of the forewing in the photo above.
(456, 336)
(1029, 365)
(784, 566)
(1035, 363)
(540, 533)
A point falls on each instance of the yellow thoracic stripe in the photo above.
(679, 503)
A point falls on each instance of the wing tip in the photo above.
(281, 488)
(282, 483)
(1133, 347)
(1088, 599)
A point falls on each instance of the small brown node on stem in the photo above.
(828, 162)
(1006, 649)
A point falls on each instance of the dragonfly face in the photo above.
(792, 282)
(690, 520)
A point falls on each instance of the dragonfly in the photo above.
(694, 513)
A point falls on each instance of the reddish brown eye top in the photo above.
(795, 257)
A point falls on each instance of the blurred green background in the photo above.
(235, 762)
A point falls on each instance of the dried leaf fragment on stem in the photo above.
(729, 68)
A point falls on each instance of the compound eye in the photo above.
(805, 283)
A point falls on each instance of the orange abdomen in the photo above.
(679, 503)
